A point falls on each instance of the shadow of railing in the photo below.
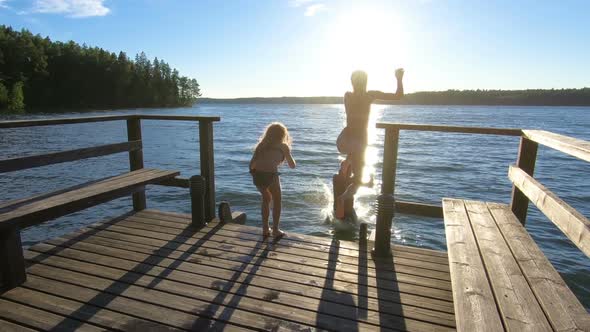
(117, 287)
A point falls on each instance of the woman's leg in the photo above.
(265, 209)
(275, 190)
(358, 163)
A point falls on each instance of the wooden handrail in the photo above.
(53, 122)
(451, 129)
(573, 224)
(179, 117)
(15, 164)
(135, 154)
(568, 145)
(102, 118)
(419, 209)
(175, 182)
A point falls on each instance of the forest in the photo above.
(37, 74)
(538, 97)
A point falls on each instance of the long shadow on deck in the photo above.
(88, 232)
(118, 286)
(333, 295)
(362, 280)
(390, 308)
(223, 287)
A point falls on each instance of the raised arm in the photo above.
(288, 156)
(399, 75)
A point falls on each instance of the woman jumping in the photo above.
(353, 139)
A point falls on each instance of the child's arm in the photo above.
(287, 153)
(399, 75)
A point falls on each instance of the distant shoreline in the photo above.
(538, 97)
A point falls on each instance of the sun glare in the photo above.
(369, 40)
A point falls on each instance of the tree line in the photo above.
(538, 97)
(39, 74)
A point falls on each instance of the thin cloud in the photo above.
(72, 8)
(3, 4)
(299, 3)
(314, 9)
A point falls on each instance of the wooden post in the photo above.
(386, 202)
(136, 160)
(12, 262)
(198, 187)
(527, 155)
(389, 160)
(363, 232)
(207, 166)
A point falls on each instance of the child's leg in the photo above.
(265, 209)
(358, 163)
(275, 190)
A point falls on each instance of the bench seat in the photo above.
(31, 211)
(500, 278)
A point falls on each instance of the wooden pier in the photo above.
(151, 270)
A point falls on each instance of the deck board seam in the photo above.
(416, 273)
(403, 274)
(439, 260)
(309, 249)
(483, 261)
(191, 272)
(198, 314)
(387, 289)
(543, 309)
(38, 275)
(295, 294)
(255, 230)
(6, 319)
(51, 312)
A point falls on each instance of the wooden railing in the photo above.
(575, 226)
(133, 146)
(572, 223)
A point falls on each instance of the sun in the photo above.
(367, 39)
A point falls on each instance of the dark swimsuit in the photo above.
(263, 180)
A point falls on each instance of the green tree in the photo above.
(17, 98)
(3, 97)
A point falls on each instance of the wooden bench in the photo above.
(500, 278)
(19, 214)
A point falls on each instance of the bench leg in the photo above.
(12, 261)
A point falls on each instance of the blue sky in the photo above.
(247, 48)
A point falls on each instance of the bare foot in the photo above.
(266, 232)
(277, 233)
(371, 182)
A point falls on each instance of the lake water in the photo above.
(431, 166)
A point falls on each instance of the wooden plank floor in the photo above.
(150, 271)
